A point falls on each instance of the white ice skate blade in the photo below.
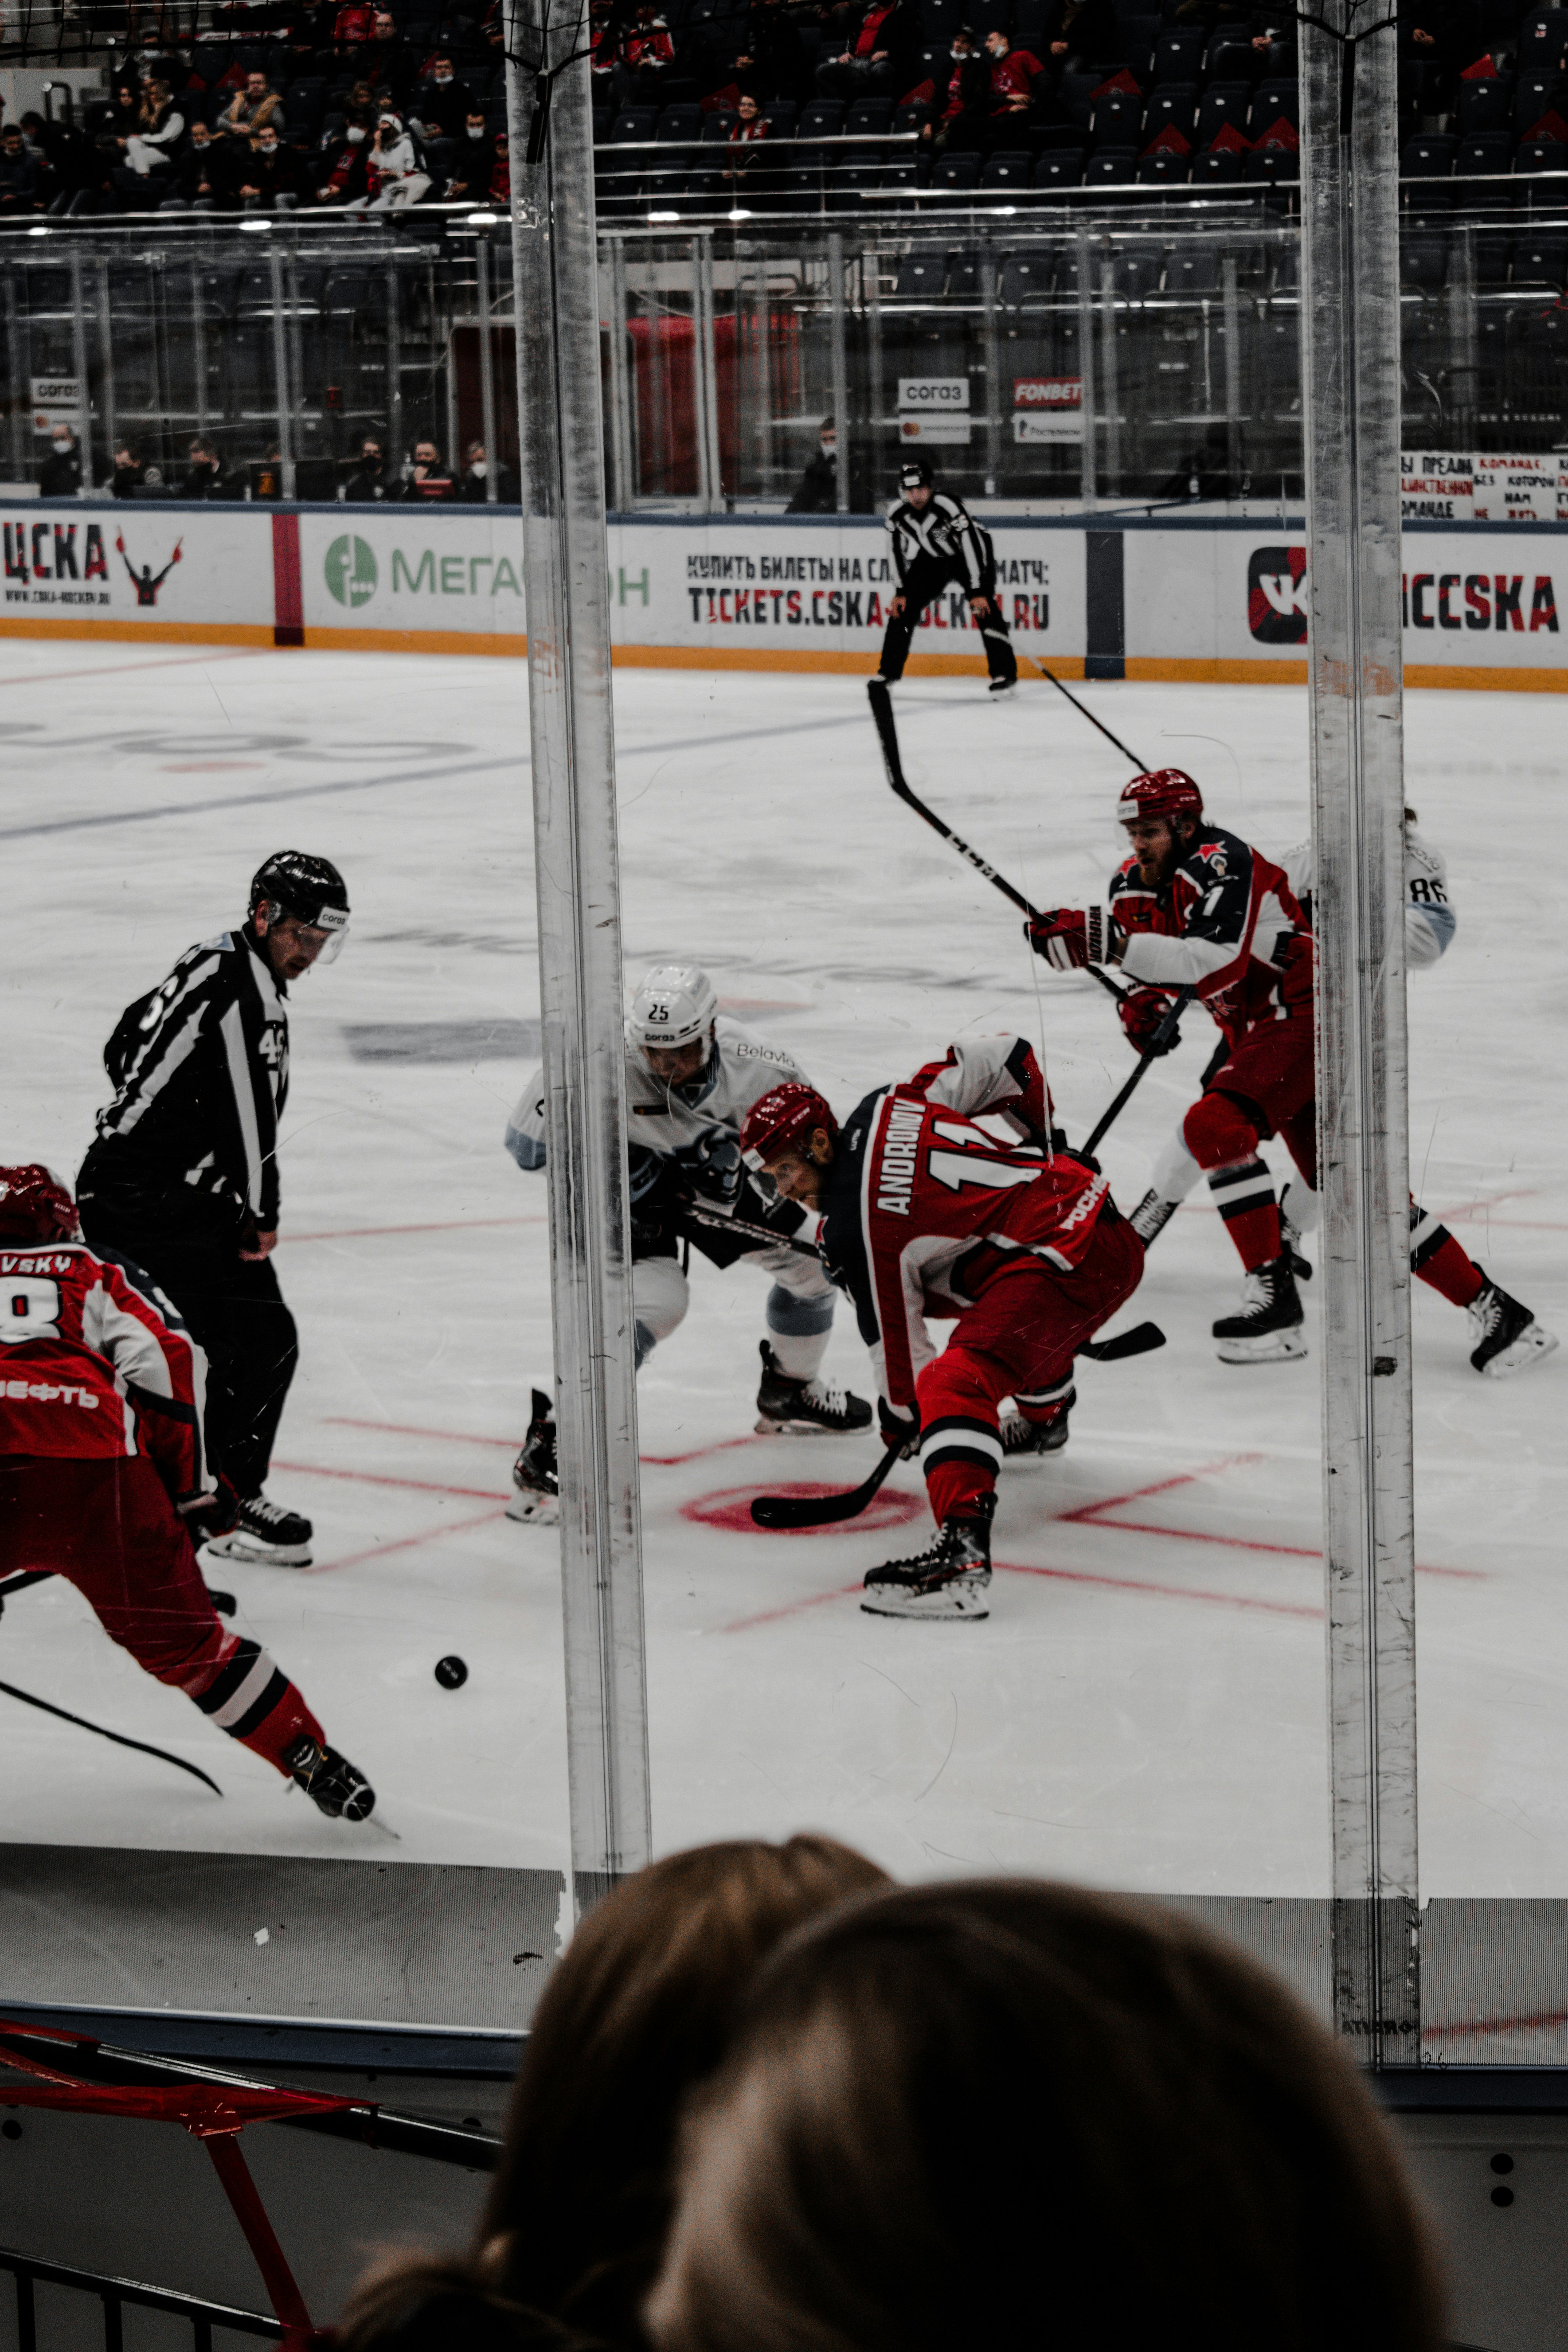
(236, 1545)
(1531, 1346)
(1273, 1347)
(535, 1510)
(763, 1427)
(955, 1604)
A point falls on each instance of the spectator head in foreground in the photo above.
(634, 2017)
(1006, 2112)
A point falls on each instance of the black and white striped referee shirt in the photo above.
(944, 530)
(200, 1066)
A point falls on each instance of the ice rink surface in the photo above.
(1145, 1706)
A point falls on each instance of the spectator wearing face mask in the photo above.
(475, 490)
(439, 112)
(208, 477)
(469, 176)
(958, 97)
(203, 176)
(817, 493)
(341, 165)
(271, 174)
(879, 56)
(500, 170)
(59, 476)
(430, 482)
(127, 474)
(393, 172)
(370, 479)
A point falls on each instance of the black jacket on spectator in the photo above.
(20, 183)
(207, 174)
(61, 474)
(362, 486)
(817, 493)
(270, 175)
(437, 489)
(211, 482)
(1089, 29)
(446, 111)
(472, 490)
(125, 482)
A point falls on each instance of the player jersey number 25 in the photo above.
(29, 1307)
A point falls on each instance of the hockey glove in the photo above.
(901, 1426)
(1070, 937)
(209, 1515)
(1140, 1011)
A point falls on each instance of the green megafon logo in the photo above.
(351, 571)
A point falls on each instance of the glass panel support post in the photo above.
(487, 366)
(838, 365)
(1110, 388)
(395, 367)
(624, 482)
(78, 364)
(566, 577)
(198, 353)
(18, 378)
(1351, 376)
(1463, 379)
(1233, 476)
(990, 316)
(280, 372)
(106, 394)
(705, 376)
(1088, 491)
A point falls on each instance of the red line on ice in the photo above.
(464, 1437)
(118, 670)
(377, 1478)
(1063, 1575)
(455, 1225)
(406, 1543)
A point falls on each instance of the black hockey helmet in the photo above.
(915, 473)
(310, 888)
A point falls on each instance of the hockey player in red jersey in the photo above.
(101, 1478)
(927, 1213)
(1196, 906)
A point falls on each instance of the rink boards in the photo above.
(1201, 600)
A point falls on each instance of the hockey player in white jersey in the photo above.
(693, 1074)
(1508, 1337)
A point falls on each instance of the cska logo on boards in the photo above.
(51, 567)
(1276, 595)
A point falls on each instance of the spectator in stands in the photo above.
(388, 60)
(59, 476)
(269, 178)
(253, 108)
(501, 172)
(370, 481)
(777, 53)
(1172, 2149)
(127, 474)
(474, 489)
(147, 173)
(961, 100)
(745, 146)
(439, 114)
(1014, 76)
(32, 136)
(203, 176)
(429, 483)
(341, 166)
(1083, 36)
(124, 118)
(21, 182)
(647, 53)
(208, 477)
(351, 23)
(393, 172)
(817, 493)
(878, 60)
(631, 2021)
(72, 160)
(474, 163)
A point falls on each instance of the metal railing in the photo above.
(115, 2294)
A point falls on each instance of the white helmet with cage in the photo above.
(674, 1007)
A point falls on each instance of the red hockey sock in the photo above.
(252, 1700)
(961, 1442)
(1436, 1258)
(1224, 1141)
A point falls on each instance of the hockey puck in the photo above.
(451, 1673)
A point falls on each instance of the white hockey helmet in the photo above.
(674, 1007)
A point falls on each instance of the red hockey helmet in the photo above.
(781, 1119)
(1161, 792)
(36, 1206)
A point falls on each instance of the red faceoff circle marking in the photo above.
(731, 1508)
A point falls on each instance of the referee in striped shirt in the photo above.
(182, 1179)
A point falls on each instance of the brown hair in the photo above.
(983, 2113)
(636, 2013)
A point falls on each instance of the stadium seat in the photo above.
(1138, 271)
(1541, 155)
(923, 275)
(823, 119)
(913, 117)
(955, 174)
(1491, 258)
(1486, 106)
(1010, 168)
(1117, 119)
(1163, 171)
(680, 123)
(1111, 167)
(1542, 41)
(1270, 100)
(1076, 91)
(1173, 106)
(964, 276)
(781, 115)
(1482, 160)
(1138, 34)
(1430, 157)
(1222, 103)
(1275, 165)
(1424, 261)
(1025, 279)
(1228, 58)
(1534, 94)
(1217, 167)
(873, 115)
(634, 124)
(717, 125)
(1193, 271)
(1178, 55)
(1059, 167)
(1538, 261)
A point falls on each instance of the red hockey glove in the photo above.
(901, 1426)
(209, 1515)
(1140, 1013)
(1070, 937)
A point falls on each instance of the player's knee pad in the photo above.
(660, 1297)
(1217, 1131)
(795, 1316)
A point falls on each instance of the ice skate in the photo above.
(1000, 686)
(330, 1781)
(1302, 1268)
(536, 1496)
(1024, 1440)
(1268, 1329)
(1510, 1338)
(265, 1531)
(950, 1579)
(805, 1408)
(1152, 1217)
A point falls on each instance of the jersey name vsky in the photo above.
(895, 1171)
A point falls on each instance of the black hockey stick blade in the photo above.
(119, 1737)
(881, 703)
(1113, 1110)
(822, 1510)
(1141, 1340)
(763, 1236)
(1141, 766)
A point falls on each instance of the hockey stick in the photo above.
(1085, 712)
(1141, 1340)
(764, 1234)
(119, 1737)
(1179, 1004)
(888, 735)
(822, 1510)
